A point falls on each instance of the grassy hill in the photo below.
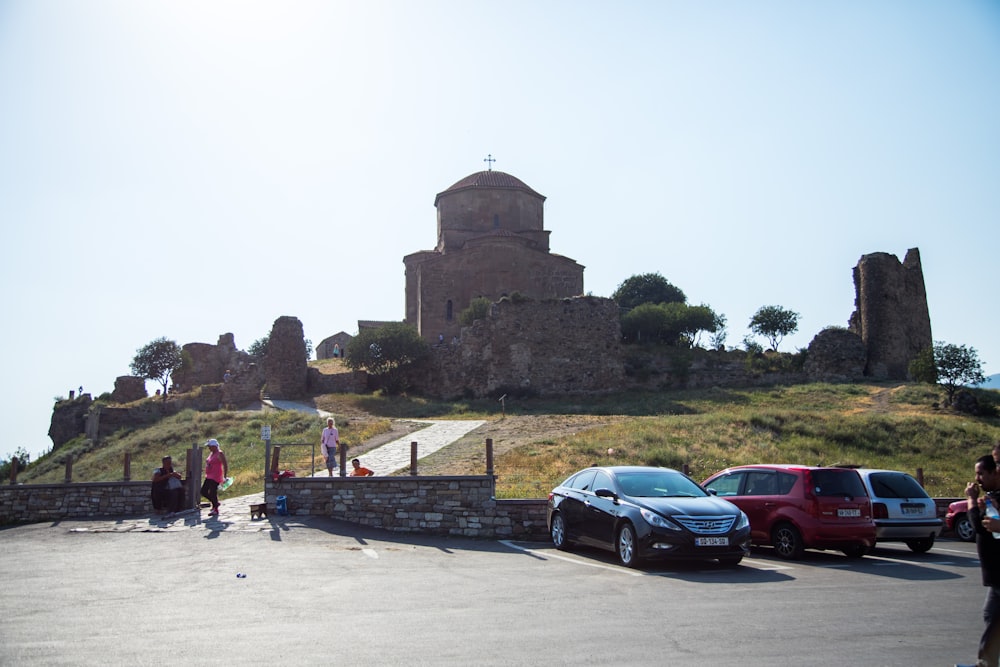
(540, 441)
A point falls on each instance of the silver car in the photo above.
(902, 510)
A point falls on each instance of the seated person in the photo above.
(168, 492)
(360, 471)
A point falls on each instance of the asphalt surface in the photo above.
(319, 591)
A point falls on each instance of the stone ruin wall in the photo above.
(557, 346)
(286, 366)
(891, 314)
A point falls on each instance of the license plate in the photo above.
(913, 509)
(712, 541)
(849, 513)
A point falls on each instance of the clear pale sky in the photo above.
(187, 169)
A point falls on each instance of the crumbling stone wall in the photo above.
(129, 388)
(558, 346)
(836, 355)
(286, 365)
(69, 419)
(207, 364)
(891, 314)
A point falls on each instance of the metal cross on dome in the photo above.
(489, 160)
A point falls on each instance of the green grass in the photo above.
(878, 425)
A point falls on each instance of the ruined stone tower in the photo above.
(890, 312)
(491, 242)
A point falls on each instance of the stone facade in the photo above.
(524, 346)
(891, 314)
(334, 347)
(458, 506)
(286, 365)
(836, 355)
(491, 243)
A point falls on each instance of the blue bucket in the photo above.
(281, 505)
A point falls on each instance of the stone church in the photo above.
(491, 242)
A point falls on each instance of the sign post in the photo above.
(265, 435)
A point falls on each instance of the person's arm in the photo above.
(160, 476)
(225, 464)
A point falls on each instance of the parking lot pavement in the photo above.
(78, 596)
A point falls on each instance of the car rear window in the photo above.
(895, 485)
(837, 483)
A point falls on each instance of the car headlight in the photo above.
(654, 519)
(742, 522)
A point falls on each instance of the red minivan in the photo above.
(795, 507)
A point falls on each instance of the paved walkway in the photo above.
(234, 513)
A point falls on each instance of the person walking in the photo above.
(216, 470)
(988, 481)
(329, 445)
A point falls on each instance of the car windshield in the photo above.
(658, 484)
(895, 485)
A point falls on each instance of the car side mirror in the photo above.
(712, 491)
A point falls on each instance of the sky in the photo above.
(188, 169)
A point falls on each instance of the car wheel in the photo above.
(964, 528)
(856, 550)
(920, 546)
(626, 545)
(787, 541)
(731, 561)
(559, 532)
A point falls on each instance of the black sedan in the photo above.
(644, 512)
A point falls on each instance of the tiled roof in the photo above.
(489, 179)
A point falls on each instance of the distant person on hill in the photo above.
(328, 445)
(168, 492)
(216, 470)
(360, 471)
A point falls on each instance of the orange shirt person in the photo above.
(359, 470)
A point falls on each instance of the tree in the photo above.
(477, 310)
(387, 353)
(646, 288)
(157, 361)
(23, 459)
(669, 323)
(774, 323)
(956, 366)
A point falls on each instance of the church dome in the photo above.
(493, 180)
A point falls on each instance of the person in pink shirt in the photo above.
(216, 470)
(328, 445)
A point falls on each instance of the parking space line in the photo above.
(557, 556)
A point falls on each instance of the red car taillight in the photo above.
(880, 511)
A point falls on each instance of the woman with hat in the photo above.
(216, 470)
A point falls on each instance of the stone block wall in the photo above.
(457, 506)
(25, 503)
(560, 346)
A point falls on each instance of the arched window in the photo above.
(448, 311)
(496, 221)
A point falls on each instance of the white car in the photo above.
(902, 510)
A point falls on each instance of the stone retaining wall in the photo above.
(27, 503)
(460, 506)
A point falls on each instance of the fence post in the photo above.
(920, 476)
(413, 457)
(275, 458)
(69, 470)
(127, 465)
(15, 463)
(342, 455)
(194, 476)
(489, 456)
(685, 469)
